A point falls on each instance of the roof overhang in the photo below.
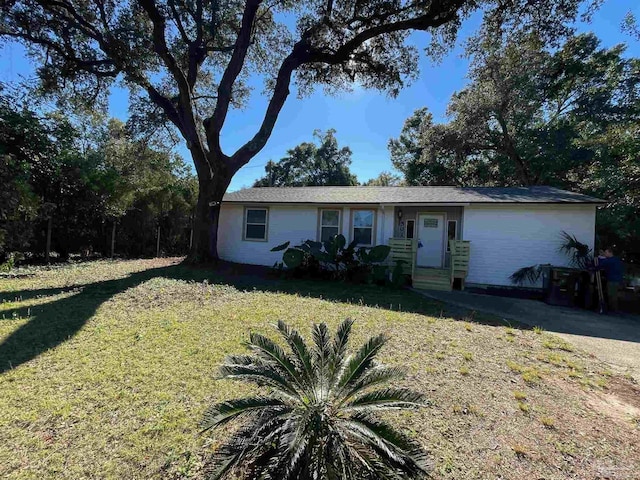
(403, 204)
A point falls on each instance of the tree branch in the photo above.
(280, 94)
(215, 123)
(187, 121)
(160, 44)
(424, 22)
(90, 66)
(302, 54)
(178, 21)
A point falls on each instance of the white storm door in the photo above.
(431, 237)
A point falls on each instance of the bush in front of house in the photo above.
(335, 259)
(319, 416)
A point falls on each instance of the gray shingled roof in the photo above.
(376, 195)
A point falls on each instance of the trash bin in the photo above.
(563, 287)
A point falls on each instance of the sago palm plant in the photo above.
(318, 420)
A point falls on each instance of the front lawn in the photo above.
(107, 367)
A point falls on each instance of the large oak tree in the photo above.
(190, 59)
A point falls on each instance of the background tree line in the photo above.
(322, 164)
(531, 115)
(83, 183)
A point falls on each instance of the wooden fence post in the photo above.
(158, 243)
(48, 247)
(113, 239)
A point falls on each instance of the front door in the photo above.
(431, 237)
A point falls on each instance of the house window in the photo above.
(410, 228)
(255, 224)
(363, 227)
(329, 224)
(452, 232)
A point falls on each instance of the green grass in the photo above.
(107, 367)
(518, 395)
(548, 422)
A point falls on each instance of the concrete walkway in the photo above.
(614, 339)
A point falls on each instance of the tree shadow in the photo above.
(58, 320)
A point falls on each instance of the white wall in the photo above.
(286, 223)
(506, 238)
(387, 226)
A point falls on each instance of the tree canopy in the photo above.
(187, 62)
(385, 179)
(531, 116)
(50, 169)
(309, 164)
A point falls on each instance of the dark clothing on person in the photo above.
(613, 272)
(612, 295)
(613, 268)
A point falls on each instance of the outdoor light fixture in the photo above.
(399, 214)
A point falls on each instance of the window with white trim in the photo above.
(362, 227)
(329, 224)
(452, 232)
(255, 224)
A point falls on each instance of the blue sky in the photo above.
(364, 120)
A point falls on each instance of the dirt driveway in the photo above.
(614, 339)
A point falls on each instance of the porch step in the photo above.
(432, 286)
(432, 279)
(432, 272)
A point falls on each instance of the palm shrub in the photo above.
(579, 254)
(319, 418)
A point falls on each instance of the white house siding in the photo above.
(294, 223)
(506, 238)
(286, 223)
(387, 225)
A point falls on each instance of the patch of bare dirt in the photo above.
(621, 401)
(626, 390)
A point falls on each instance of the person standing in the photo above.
(613, 272)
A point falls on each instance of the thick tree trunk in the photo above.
(204, 247)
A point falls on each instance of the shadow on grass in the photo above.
(56, 321)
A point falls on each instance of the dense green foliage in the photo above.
(534, 116)
(84, 182)
(335, 259)
(384, 179)
(311, 165)
(320, 418)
